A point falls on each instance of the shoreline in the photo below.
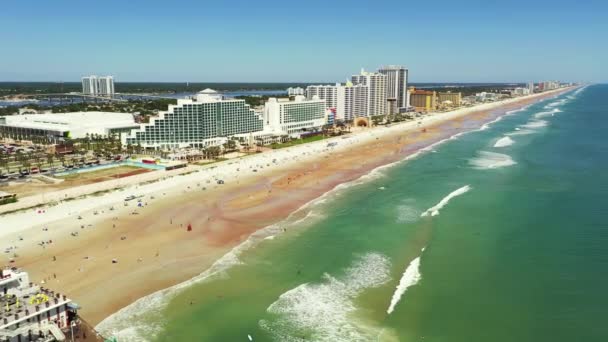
(221, 219)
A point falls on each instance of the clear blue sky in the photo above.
(312, 40)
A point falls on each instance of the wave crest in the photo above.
(434, 210)
(410, 277)
(491, 160)
(504, 141)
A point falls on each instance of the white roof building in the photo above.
(66, 125)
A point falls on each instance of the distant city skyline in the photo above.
(273, 41)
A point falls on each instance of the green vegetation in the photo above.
(11, 88)
(298, 141)
(143, 107)
(254, 101)
(467, 90)
(8, 200)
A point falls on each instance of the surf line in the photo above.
(410, 277)
(433, 211)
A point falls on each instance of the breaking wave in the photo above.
(518, 110)
(433, 211)
(556, 103)
(323, 311)
(532, 124)
(519, 131)
(491, 160)
(504, 141)
(547, 113)
(410, 277)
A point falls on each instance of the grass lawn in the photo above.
(298, 141)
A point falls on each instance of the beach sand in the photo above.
(154, 249)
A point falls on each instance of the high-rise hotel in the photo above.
(209, 119)
(206, 120)
(282, 116)
(376, 91)
(396, 87)
(348, 101)
(98, 85)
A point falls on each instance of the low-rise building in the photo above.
(519, 91)
(486, 97)
(74, 125)
(449, 99)
(30, 312)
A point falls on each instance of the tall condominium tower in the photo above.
(98, 85)
(396, 87)
(376, 83)
(348, 101)
(89, 85)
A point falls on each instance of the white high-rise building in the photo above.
(396, 87)
(376, 83)
(531, 88)
(294, 117)
(294, 91)
(94, 85)
(106, 85)
(89, 85)
(348, 101)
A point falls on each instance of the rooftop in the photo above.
(71, 121)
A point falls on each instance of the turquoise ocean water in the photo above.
(499, 234)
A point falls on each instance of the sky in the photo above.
(303, 41)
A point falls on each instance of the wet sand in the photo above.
(154, 249)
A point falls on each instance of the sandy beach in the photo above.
(71, 245)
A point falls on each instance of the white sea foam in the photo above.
(547, 113)
(323, 311)
(406, 212)
(517, 110)
(556, 103)
(488, 124)
(433, 211)
(504, 141)
(491, 160)
(410, 277)
(532, 124)
(519, 131)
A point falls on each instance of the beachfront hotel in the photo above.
(284, 117)
(449, 99)
(98, 85)
(423, 100)
(73, 125)
(396, 87)
(32, 313)
(347, 101)
(376, 95)
(208, 119)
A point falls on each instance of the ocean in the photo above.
(498, 234)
